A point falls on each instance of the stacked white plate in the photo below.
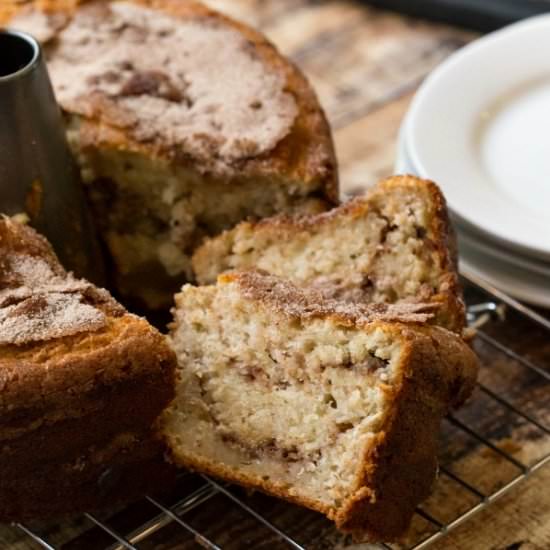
(480, 127)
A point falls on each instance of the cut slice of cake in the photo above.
(330, 405)
(184, 123)
(81, 384)
(394, 244)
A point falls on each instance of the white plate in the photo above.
(529, 287)
(403, 165)
(480, 126)
(487, 248)
(510, 273)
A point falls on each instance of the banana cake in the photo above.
(81, 384)
(184, 123)
(317, 361)
(331, 405)
(393, 244)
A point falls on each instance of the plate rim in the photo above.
(521, 245)
(402, 160)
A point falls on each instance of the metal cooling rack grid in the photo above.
(485, 304)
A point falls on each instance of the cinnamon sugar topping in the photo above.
(46, 316)
(42, 26)
(302, 303)
(38, 300)
(194, 88)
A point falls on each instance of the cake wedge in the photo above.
(329, 405)
(81, 384)
(393, 244)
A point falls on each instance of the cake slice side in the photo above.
(333, 408)
(393, 244)
(81, 384)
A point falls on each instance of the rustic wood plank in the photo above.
(366, 148)
(519, 521)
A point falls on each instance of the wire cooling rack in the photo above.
(506, 398)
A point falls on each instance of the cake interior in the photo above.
(291, 403)
(373, 250)
(153, 214)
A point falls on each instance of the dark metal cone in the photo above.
(38, 175)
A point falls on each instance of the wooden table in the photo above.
(366, 65)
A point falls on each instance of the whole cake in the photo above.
(392, 245)
(81, 384)
(330, 405)
(184, 122)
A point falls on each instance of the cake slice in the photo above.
(81, 384)
(329, 405)
(184, 122)
(393, 244)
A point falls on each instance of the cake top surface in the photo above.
(295, 302)
(38, 300)
(195, 87)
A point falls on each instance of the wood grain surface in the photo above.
(365, 65)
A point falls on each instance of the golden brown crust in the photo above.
(56, 373)
(75, 406)
(80, 438)
(440, 372)
(305, 156)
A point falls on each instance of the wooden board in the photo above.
(365, 65)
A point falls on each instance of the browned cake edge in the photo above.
(440, 372)
(60, 373)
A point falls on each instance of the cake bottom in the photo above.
(121, 471)
(103, 452)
